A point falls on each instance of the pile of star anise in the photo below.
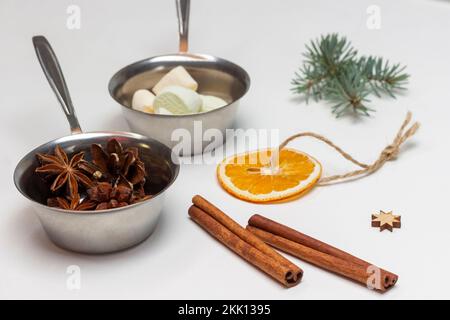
(115, 177)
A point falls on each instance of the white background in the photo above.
(266, 38)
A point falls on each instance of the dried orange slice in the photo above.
(250, 177)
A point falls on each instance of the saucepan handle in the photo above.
(55, 77)
(183, 23)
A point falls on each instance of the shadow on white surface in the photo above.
(39, 240)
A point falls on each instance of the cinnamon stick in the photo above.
(243, 243)
(241, 232)
(274, 227)
(321, 254)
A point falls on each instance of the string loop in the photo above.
(390, 152)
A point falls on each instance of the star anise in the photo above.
(72, 204)
(115, 162)
(114, 178)
(108, 196)
(65, 169)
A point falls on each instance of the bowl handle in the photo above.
(55, 77)
(183, 23)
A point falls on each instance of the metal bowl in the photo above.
(215, 76)
(104, 230)
(100, 231)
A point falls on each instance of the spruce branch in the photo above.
(348, 91)
(333, 72)
(382, 77)
(310, 82)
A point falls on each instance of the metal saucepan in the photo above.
(94, 231)
(215, 76)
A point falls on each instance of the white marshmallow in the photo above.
(178, 100)
(211, 102)
(178, 76)
(143, 100)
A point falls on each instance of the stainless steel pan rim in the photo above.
(118, 79)
(96, 134)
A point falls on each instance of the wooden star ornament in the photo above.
(386, 220)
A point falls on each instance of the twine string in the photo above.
(390, 152)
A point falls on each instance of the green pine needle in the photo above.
(333, 72)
